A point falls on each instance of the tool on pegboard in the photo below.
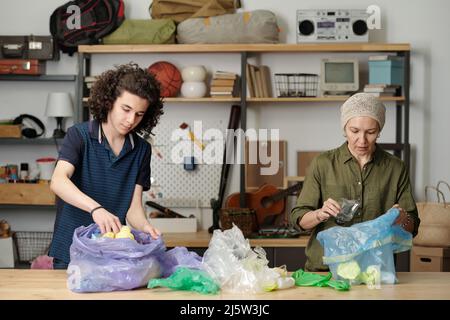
(191, 135)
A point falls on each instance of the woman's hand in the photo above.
(330, 208)
(403, 219)
(106, 221)
(155, 233)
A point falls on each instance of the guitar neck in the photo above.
(284, 193)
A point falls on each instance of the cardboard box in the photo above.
(26, 193)
(8, 254)
(254, 176)
(10, 131)
(176, 225)
(304, 159)
(430, 259)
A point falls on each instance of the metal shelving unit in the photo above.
(401, 146)
(37, 141)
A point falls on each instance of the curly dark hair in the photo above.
(127, 77)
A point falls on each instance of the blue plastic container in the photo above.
(386, 71)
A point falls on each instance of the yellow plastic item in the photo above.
(108, 235)
(124, 235)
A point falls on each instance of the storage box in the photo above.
(10, 131)
(176, 225)
(26, 193)
(429, 259)
(386, 71)
(8, 254)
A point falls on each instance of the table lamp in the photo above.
(59, 106)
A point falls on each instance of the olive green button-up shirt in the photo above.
(336, 174)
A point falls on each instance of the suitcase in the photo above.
(22, 66)
(28, 47)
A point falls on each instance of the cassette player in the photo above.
(317, 25)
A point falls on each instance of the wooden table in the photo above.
(51, 284)
(201, 239)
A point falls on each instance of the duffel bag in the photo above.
(180, 10)
(155, 31)
(259, 26)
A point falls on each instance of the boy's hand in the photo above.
(106, 221)
(155, 233)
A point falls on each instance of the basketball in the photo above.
(168, 76)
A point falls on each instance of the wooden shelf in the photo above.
(45, 77)
(218, 48)
(317, 99)
(21, 141)
(26, 194)
(255, 100)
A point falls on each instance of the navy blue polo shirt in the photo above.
(108, 179)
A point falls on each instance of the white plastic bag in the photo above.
(231, 261)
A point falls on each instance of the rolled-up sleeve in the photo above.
(72, 147)
(405, 198)
(310, 196)
(143, 178)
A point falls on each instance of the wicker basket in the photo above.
(31, 244)
(243, 218)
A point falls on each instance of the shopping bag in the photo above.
(434, 229)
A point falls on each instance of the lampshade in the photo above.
(59, 104)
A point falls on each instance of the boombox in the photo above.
(332, 26)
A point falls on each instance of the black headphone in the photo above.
(27, 131)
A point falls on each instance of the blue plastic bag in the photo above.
(364, 252)
(105, 264)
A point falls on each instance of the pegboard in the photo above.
(172, 185)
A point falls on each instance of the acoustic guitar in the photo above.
(266, 201)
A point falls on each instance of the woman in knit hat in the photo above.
(358, 170)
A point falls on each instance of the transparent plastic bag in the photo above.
(364, 252)
(105, 264)
(349, 209)
(231, 261)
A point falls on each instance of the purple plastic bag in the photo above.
(180, 257)
(106, 264)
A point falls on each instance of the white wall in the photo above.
(422, 24)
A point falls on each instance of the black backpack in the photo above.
(98, 18)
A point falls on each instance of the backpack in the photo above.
(98, 18)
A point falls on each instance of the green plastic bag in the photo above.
(189, 280)
(159, 31)
(309, 279)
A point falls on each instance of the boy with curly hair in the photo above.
(103, 165)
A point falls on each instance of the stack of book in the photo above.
(258, 81)
(88, 83)
(381, 89)
(385, 57)
(224, 84)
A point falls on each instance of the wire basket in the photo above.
(243, 218)
(31, 244)
(296, 84)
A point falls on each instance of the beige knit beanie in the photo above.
(363, 105)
